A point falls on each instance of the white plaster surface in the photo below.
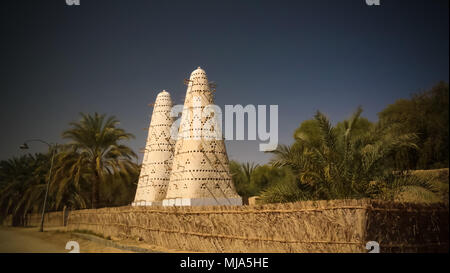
(158, 155)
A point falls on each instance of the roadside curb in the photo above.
(113, 244)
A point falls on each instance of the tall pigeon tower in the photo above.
(200, 170)
(158, 155)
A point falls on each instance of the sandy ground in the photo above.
(30, 240)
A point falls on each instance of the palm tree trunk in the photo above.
(95, 191)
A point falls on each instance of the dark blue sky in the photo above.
(114, 56)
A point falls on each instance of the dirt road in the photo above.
(29, 240)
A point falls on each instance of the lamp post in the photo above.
(24, 146)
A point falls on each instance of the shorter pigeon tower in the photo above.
(158, 155)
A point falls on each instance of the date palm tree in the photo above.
(94, 154)
(22, 185)
(242, 177)
(342, 164)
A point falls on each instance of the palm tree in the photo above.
(94, 153)
(119, 188)
(248, 169)
(22, 187)
(346, 165)
(242, 177)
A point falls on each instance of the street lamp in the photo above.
(24, 146)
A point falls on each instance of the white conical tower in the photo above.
(200, 170)
(158, 155)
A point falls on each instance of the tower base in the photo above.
(235, 201)
(146, 203)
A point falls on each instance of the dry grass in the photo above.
(319, 226)
(408, 227)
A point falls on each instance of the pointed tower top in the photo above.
(164, 92)
(199, 69)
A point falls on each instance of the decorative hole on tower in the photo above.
(203, 186)
(203, 161)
